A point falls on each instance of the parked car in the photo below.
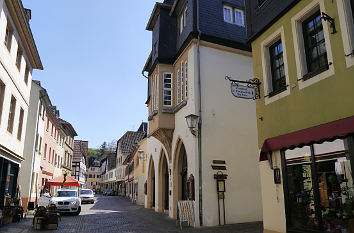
(108, 192)
(67, 200)
(87, 195)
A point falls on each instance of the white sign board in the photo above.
(244, 92)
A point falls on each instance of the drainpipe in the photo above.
(199, 123)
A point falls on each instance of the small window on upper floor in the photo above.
(8, 36)
(228, 14)
(2, 95)
(19, 57)
(234, 15)
(10, 122)
(27, 74)
(167, 89)
(182, 20)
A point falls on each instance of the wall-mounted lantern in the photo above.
(192, 122)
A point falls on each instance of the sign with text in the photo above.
(244, 92)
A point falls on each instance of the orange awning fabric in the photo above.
(58, 181)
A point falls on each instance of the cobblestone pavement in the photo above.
(117, 214)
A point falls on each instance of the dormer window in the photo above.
(182, 20)
(234, 16)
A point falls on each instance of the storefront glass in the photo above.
(320, 187)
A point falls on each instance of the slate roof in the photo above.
(80, 150)
(68, 128)
(129, 141)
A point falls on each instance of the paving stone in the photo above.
(117, 214)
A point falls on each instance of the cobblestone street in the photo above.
(117, 214)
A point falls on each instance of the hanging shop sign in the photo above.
(245, 89)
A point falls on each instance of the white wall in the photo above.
(15, 85)
(229, 132)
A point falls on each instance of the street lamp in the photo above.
(192, 122)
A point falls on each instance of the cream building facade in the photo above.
(191, 81)
(18, 57)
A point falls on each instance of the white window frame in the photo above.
(266, 66)
(182, 20)
(182, 81)
(242, 17)
(178, 87)
(186, 79)
(347, 29)
(300, 55)
(231, 13)
(167, 89)
(156, 92)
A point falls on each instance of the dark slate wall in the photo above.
(167, 35)
(212, 20)
(155, 39)
(259, 17)
(190, 22)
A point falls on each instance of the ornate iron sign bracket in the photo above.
(249, 91)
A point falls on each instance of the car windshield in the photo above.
(66, 194)
(86, 192)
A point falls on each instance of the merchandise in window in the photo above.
(320, 187)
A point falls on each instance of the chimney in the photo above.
(28, 14)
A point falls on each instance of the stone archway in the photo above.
(180, 171)
(164, 181)
(151, 184)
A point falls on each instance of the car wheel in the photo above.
(92, 202)
(78, 211)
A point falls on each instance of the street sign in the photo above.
(249, 90)
(244, 92)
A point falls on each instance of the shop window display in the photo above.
(320, 187)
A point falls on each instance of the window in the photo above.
(45, 151)
(239, 17)
(47, 124)
(178, 87)
(228, 14)
(40, 145)
(186, 80)
(277, 68)
(315, 46)
(8, 35)
(156, 92)
(167, 89)
(10, 123)
(183, 20)
(50, 152)
(319, 188)
(27, 74)
(234, 15)
(2, 95)
(19, 57)
(20, 125)
(182, 81)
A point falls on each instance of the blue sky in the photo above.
(93, 53)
